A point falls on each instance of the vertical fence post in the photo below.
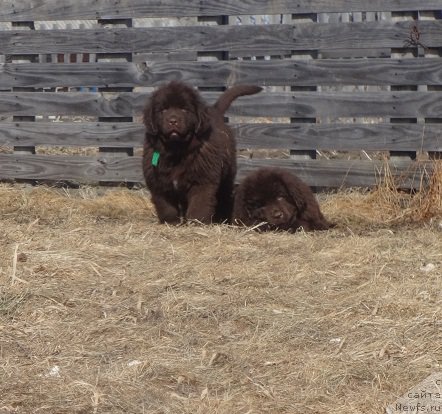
(307, 153)
(400, 155)
(432, 155)
(106, 151)
(31, 58)
(213, 55)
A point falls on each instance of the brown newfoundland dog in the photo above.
(189, 157)
(277, 200)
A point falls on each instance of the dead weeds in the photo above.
(104, 310)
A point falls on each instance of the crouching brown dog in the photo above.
(189, 156)
(274, 199)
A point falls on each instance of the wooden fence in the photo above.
(347, 83)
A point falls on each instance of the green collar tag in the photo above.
(155, 158)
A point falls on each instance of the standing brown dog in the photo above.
(189, 158)
(277, 200)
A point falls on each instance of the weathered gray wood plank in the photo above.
(343, 137)
(329, 72)
(323, 173)
(344, 173)
(71, 103)
(378, 34)
(23, 10)
(77, 168)
(340, 137)
(72, 134)
(402, 104)
(248, 39)
(397, 104)
(155, 39)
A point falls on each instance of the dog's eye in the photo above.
(255, 205)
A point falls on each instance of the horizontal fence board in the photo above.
(341, 137)
(155, 39)
(401, 104)
(47, 75)
(365, 35)
(344, 173)
(24, 10)
(248, 39)
(72, 134)
(398, 104)
(321, 173)
(330, 72)
(70, 168)
(71, 103)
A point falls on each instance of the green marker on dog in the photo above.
(155, 158)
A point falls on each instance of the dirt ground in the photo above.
(102, 310)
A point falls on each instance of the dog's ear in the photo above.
(296, 189)
(309, 212)
(149, 119)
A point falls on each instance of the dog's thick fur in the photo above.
(278, 200)
(193, 176)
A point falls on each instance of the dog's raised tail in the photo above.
(227, 97)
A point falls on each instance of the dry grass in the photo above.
(386, 205)
(102, 310)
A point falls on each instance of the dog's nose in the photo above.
(277, 214)
(173, 121)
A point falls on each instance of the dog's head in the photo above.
(276, 213)
(175, 114)
(280, 199)
(268, 200)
